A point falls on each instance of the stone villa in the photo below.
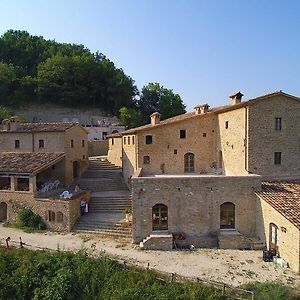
(227, 176)
(37, 161)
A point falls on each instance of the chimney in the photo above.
(201, 109)
(6, 124)
(14, 123)
(236, 98)
(155, 118)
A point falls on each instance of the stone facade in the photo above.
(64, 212)
(237, 139)
(194, 205)
(72, 141)
(288, 233)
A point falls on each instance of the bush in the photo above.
(272, 291)
(30, 220)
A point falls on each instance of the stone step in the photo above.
(107, 210)
(103, 232)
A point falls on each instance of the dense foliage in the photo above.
(29, 220)
(33, 69)
(154, 98)
(41, 275)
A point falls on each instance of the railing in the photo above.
(232, 292)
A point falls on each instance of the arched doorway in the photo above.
(160, 217)
(273, 238)
(3, 211)
(189, 163)
(227, 216)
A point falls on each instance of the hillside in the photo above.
(36, 70)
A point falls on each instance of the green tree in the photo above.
(155, 97)
(130, 117)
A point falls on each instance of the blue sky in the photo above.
(203, 50)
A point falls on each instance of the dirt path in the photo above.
(233, 267)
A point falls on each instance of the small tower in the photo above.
(14, 123)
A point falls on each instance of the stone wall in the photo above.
(129, 162)
(288, 234)
(78, 153)
(231, 142)
(97, 148)
(114, 154)
(41, 206)
(168, 149)
(264, 140)
(194, 205)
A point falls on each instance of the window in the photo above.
(133, 140)
(277, 123)
(59, 217)
(50, 216)
(128, 140)
(72, 143)
(22, 184)
(189, 160)
(204, 134)
(112, 141)
(277, 158)
(227, 215)
(83, 156)
(146, 160)
(17, 144)
(160, 217)
(182, 134)
(149, 139)
(41, 144)
(226, 124)
(104, 135)
(124, 140)
(82, 143)
(273, 237)
(175, 151)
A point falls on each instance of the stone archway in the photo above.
(3, 211)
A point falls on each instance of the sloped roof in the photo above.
(27, 162)
(284, 197)
(42, 127)
(214, 110)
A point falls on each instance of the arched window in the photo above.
(59, 217)
(273, 238)
(149, 139)
(160, 217)
(3, 211)
(227, 215)
(189, 163)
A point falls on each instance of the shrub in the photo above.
(30, 220)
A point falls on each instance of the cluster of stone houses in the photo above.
(227, 176)
(37, 162)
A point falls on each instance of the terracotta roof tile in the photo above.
(27, 163)
(284, 197)
(219, 109)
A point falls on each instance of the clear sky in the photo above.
(203, 50)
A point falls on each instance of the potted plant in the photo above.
(128, 214)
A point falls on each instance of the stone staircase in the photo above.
(109, 198)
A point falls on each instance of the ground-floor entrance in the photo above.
(3, 211)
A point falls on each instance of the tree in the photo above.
(130, 117)
(155, 97)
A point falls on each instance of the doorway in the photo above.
(3, 211)
(160, 217)
(189, 163)
(75, 169)
(273, 238)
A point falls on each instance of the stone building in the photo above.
(37, 163)
(196, 177)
